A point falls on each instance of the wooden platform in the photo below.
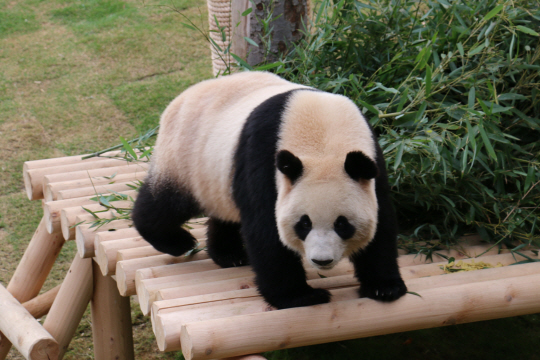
(209, 312)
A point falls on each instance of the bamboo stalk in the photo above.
(120, 187)
(107, 251)
(71, 302)
(111, 320)
(28, 336)
(125, 270)
(50, 191)
(33, 178)
(86, 174)
(33, 269)
(135, 253)
(360, 318)
(40, 305)
(68, 216)
(85, 235)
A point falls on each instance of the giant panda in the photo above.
(284, 172)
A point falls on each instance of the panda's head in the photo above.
(327, 207)
(328, 217)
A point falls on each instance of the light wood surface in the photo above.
(71, 302)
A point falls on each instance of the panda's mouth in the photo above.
(323, 266)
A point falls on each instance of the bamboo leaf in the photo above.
(251, 41)
(428, 81)
(526, 30)
(493, 12)
(128, 148)
(477, 49)
(487, 143)
(247, 11)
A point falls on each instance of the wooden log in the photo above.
(66, 160)
(33, 178)
(135, 253)
(85, 235)
(167, 315)
(40, 305)
(106, 252)
(120, 187)
(71, 302)
(360, 318)
(111, 320)
(26, 333)
(125, 270)
(33, 269)
(439, 255)
(52, 210)
(86, 174)
(50, 190)
(146, 284)
(68, 216)
(150, 281)
(118, 234)
(206, 288)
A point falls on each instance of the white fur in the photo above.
(321, 129)
(199, 133)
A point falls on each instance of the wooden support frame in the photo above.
(71, 302)
(360, 318)
(33, 269)
(28, 336)
(111, 320)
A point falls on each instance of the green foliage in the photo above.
(453, 90)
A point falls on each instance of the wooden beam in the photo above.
(33, 269)
(85, 235)
(111, 320)
(358, 318)
(71, 302)
(50, 190)
(40, 305)
(26, 333)
(106, 251)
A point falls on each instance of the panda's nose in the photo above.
(322, 262)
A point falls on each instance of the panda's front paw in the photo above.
(306, 298)
(383, 290)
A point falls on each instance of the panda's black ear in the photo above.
(289, 165)
(359, 166)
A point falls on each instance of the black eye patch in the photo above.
(303, 227)
(343, 228)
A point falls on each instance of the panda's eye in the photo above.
(343, 228)
(303, 227)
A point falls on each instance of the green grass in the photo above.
(75, 76)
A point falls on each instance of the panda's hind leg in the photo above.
(158, 216)
(224, 244)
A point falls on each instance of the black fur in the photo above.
(289, 165)
(359, 166)
(303, 227)
(280, 276)
(159, 216)
(376, 266)
(344, 228)
(224, 243)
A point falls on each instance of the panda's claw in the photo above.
(308, 297)
(383, 290)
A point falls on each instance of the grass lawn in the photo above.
(75, 75)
